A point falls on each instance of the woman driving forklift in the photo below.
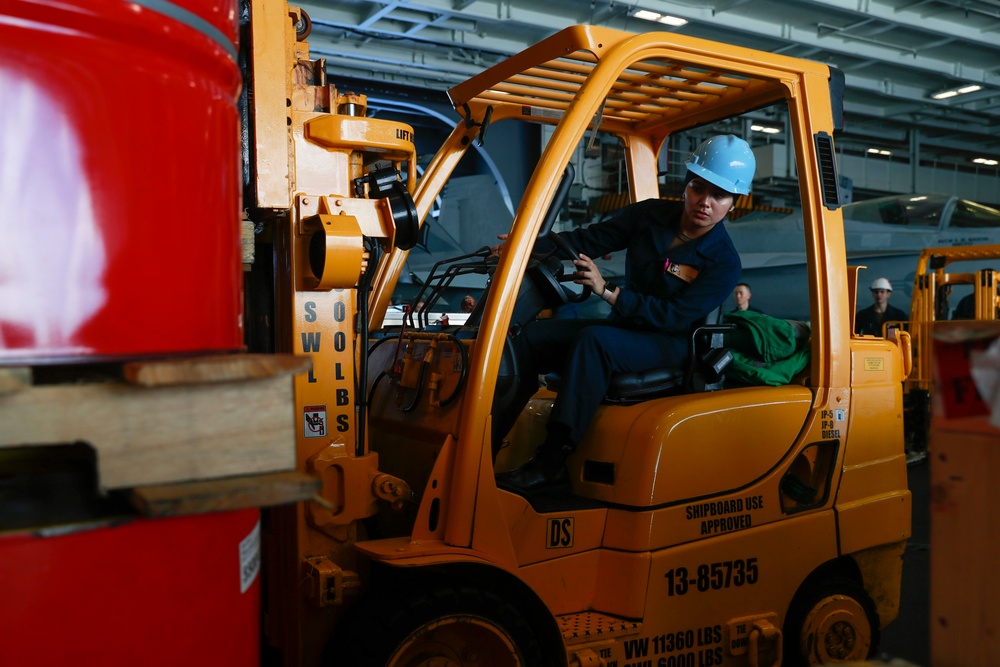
(680, 264)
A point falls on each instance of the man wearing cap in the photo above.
(868, 321)
(680, 264)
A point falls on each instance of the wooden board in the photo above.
(217, 368)
(225, 494)
(14, 379)
(965, 537)
(161, 434)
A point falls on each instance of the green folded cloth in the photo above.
(766, 350)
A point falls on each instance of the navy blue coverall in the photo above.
(650, 323)
(869, 323)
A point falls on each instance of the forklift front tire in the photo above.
(454, 624)
(829, 622)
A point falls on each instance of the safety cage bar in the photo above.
(543, 80)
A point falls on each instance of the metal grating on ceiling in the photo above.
(895, 53)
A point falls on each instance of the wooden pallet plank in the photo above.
(225, 494)
(161, 434)
(216, 368)
(14, 379)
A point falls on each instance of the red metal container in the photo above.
(179, 591)
(120, 180)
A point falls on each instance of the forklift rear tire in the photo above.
(831, 621)
(456, 625)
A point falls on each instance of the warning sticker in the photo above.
(249, 558)
(314, 421)
(874, 364)
(539, 112)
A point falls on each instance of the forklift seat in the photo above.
(705, 370)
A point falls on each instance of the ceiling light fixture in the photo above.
(657, 17)
(955, 92)
(879, 151)
(987, 161)
(765, 129)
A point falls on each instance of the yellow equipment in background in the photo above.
(932, 302)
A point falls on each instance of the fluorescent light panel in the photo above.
(657, 17)
(986, 161)
(675, 21)
(954, 92)
(879, 151)
(765, 129)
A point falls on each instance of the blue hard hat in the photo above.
(725, 161)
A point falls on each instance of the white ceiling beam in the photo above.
(901, 56)
(428, 55)
(341, 17)
(972, 30)
(851, 46)
(375, 14)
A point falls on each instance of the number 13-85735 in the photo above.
(714, 577)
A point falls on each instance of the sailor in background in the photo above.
(741, 295)
(869, 320)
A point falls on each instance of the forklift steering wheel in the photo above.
(567, 247)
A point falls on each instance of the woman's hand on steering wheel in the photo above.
(498, 248)
(588, 275)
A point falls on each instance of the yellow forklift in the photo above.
(754, 525)
(939, 272)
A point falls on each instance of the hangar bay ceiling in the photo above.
(899, 56)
